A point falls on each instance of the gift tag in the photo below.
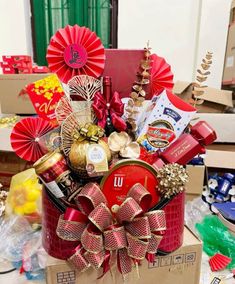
(116, 184)
(96, 159)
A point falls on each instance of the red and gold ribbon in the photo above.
(104, 106)
(133, 233)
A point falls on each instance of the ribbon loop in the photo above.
(157, 221)
(92, 241)
(89, 197)
(136, 248)
(95, 259)
(139, 228)
(128, 210)
(101, 217)
(70, 230)
(78, 261)
(115, 238)
(139, 193)
(153, 244)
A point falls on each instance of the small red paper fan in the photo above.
(161, 76)
(219, 262)
(75, 50)
(25, 137)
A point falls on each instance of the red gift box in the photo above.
(5, 65)
(26, 70)
(22, 65)
(41, 69)
(182, 150)
(8, 70)
(16, 58)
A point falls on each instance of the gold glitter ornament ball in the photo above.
(77, 155)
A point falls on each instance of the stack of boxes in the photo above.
(20, 64)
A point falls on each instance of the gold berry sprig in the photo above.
(137, 96)
(201, 77)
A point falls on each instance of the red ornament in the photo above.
(25, 137)
(75, 50)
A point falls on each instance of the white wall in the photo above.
(15, 29)
(181, 31)
(213, 36)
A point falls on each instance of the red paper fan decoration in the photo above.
(25, 137)
(161, 76)
(219, 262)
(73, 51)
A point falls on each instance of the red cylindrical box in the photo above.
(53, 245)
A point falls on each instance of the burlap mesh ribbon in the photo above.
(131, 233)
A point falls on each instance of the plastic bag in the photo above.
(19, 240)
(216, 238)
(195, 211)
(24, 197)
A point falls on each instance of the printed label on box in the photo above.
(186, 258)
(230, 61)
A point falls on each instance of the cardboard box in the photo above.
(10, 88)
(220, 159)
(16, 58)
(197, 179)
(180, 267)
(215, 101)
(10, 165)
(229, 62)
(222, 123)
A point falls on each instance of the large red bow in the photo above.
(132, 232)
(103, 107)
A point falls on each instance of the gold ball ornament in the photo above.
(77, 155)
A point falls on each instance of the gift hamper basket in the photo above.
(111, 162)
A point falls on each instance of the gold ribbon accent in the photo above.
(89, 132)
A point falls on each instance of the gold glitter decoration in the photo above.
(172, 179)
(8, 121)
(89, 132)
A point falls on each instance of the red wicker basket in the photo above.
(61, 249)
(173, 237)
(53, 245)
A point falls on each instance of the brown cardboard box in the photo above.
(180, 267)
(197, 179)
(10, 165)
(222, 123)
(10, 88)
(215, 100)
(229, 62)
(220, 159)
